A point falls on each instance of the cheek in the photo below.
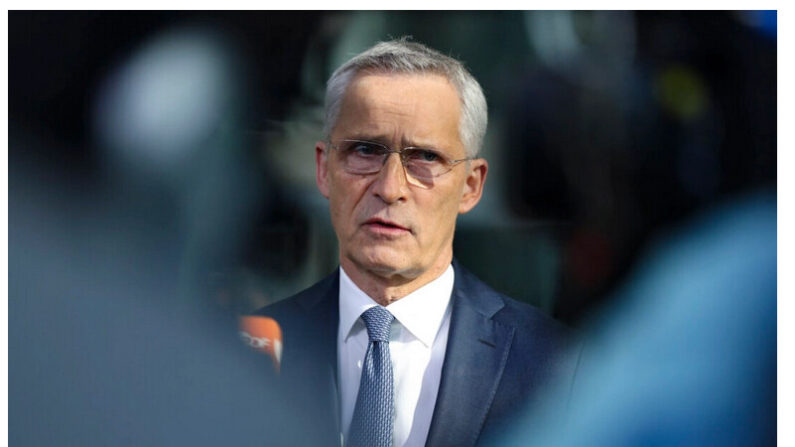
(440, 216)
(448, 207)
(343, 199)
(340, 210)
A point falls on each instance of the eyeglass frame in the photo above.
(389, 151)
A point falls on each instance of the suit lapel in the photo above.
(477, 349)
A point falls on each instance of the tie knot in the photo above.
(378, 321)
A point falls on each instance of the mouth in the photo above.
(385, 226)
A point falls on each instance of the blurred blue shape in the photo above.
(764, 21)
(687, 355)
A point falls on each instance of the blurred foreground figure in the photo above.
(101, 350)
(108, 344)
(686, 356)
(402, 346)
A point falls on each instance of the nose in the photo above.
(391, 184)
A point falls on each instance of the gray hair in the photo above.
(402, 56)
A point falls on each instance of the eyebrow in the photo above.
(381, 139)
(369, 137)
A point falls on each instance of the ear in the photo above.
(473, 185)
(321, 167)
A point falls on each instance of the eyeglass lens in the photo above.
(364, 157)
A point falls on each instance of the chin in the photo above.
(383, 261)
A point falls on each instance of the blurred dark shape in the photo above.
(530, 248)
(60, 57)
(686, 353)
(620, 152)
(273, 247)
(590, 255)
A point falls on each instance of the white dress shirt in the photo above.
(417, 345)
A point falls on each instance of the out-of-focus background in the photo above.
(164, 160)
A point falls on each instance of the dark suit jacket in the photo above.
(499, 353)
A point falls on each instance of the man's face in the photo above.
(384, 224)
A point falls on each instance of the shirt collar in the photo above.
(421, 312)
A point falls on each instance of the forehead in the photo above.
(412, 108)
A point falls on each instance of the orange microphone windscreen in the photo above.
(264, 335)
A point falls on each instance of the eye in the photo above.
(364, 149)
(424, 156)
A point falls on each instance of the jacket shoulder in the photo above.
(503, 308)
(531, 324)
(302, 302)
(524, 315)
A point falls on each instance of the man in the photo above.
(452, 359)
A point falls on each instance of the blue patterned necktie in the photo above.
(371, 425)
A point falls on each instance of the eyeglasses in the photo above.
(420, 165)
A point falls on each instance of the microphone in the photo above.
(264, 335)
